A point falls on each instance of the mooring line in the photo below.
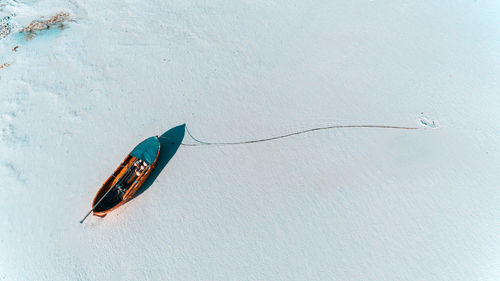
(203, 143)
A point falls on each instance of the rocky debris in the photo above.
(58, 20)
(5, 27)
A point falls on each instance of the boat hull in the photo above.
(127, 175)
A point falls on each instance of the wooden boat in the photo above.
(127, 178)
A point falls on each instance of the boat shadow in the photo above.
(170, 142)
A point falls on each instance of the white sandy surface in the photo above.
(348, 204)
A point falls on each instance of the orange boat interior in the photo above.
(124, 177)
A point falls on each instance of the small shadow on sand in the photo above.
(170, 142)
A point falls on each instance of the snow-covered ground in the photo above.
(346, 204)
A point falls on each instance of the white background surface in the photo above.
(351, 204)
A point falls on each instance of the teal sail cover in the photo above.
(147, 150)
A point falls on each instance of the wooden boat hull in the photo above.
(121, 186)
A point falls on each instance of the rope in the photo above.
(203, 143)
